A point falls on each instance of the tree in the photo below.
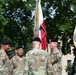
(60, 19)
(2, 19)
(19, 25)
(17, 20)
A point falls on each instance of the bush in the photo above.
(68, 69)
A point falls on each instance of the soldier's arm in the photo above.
(8, 67)
(12, 63)
(56, 58)
(26, 69)
(49, 66)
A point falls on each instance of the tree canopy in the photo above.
(17, 20)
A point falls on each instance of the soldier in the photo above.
(37, 60)
(5, 68)
(55, 58)
(18, 61)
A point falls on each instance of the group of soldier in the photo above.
(35, 62)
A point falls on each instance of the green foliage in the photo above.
(60, 20)
(68, 68)
(16, 19)
(18, 26)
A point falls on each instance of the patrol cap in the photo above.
(5, 42)
(36, 39)
(53, 40)
(19, 46)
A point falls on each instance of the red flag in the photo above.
(43, 35)
(39, 22)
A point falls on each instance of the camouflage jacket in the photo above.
(55, 61)
(18, 65)
(37, 61)
(5, 66)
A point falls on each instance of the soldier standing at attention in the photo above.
(55, 58)
(5, 67)
(37, 60)
(18, 61)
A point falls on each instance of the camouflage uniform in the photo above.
(37, 61)
(18, 65)
(5, 68)
(55, 60)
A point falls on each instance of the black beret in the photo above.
(5, 42)
(36, 39)
(53, 40)
(19, 46)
